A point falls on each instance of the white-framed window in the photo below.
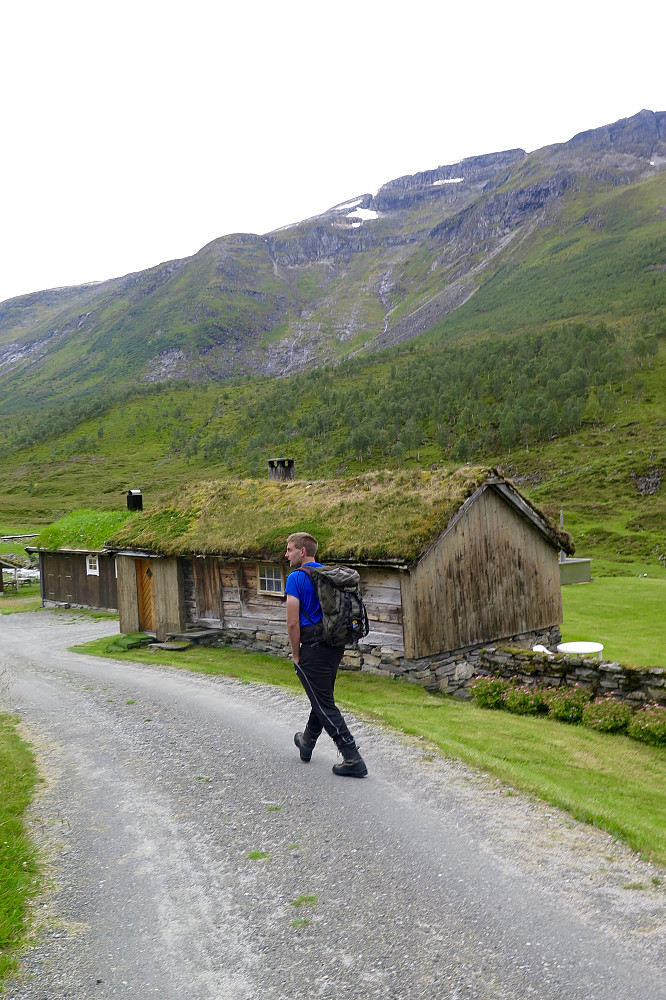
(92, 565)
(270, 580)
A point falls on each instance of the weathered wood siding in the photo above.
(166, 599)
(128, 598)
(169, 597)
(491, 575)
(65, 580)
(208, 586)
(383, 601)
(189, 590)
(258, 607)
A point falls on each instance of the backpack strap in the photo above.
(302, 569)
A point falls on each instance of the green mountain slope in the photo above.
(513, 317)
(603, 261)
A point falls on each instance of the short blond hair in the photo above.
(302, 540)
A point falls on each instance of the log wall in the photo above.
(383, 601)
(226, 595)
(222, 594)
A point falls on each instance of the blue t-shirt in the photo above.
(300, 585)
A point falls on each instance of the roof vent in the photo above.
(134, 500)
(281, 468)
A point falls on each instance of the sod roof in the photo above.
(376, 517)
(81, 530)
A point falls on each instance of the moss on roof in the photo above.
(377, 516)
(81, 529)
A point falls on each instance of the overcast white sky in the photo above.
(136, 132)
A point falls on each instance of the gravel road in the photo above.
(431, 880)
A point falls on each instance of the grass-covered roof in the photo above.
(377, 516)
(81, 529)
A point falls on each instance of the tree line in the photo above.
(469, 401)
(462, 402)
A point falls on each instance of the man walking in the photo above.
(316, 661)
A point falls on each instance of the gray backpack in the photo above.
(345, 619)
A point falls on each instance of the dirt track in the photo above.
(430, 880)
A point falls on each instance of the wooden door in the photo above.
(69, 579)
(146, 594)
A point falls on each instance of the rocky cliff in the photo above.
(369, 272)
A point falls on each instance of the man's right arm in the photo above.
(294, 626)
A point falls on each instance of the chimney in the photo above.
(281, 468)
(134, 500)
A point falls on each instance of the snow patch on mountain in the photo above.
(363, 213)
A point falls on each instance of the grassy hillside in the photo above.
(225, 295)
(605, 474)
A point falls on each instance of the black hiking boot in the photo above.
(305, 742)
(352, 765)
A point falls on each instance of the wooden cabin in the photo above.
(79, 578)
(449, 563)
(76, 568)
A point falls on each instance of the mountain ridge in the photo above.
(325, 288)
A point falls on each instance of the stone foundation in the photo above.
(256, 640)
(635, 685)
(78, 607)
(449, 672)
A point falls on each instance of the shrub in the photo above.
(608, 715)
(649, 725)
(489, 692)
(567, 704)
(526, 700)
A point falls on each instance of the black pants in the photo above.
(317, 671)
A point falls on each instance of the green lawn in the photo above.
(612, 782)
(627, 614)
(27, 599)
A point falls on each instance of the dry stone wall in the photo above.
(636, 685)
(448, 672)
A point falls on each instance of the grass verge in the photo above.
(607, 780)
(625, 613)
(18, 861)
(27, 599)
